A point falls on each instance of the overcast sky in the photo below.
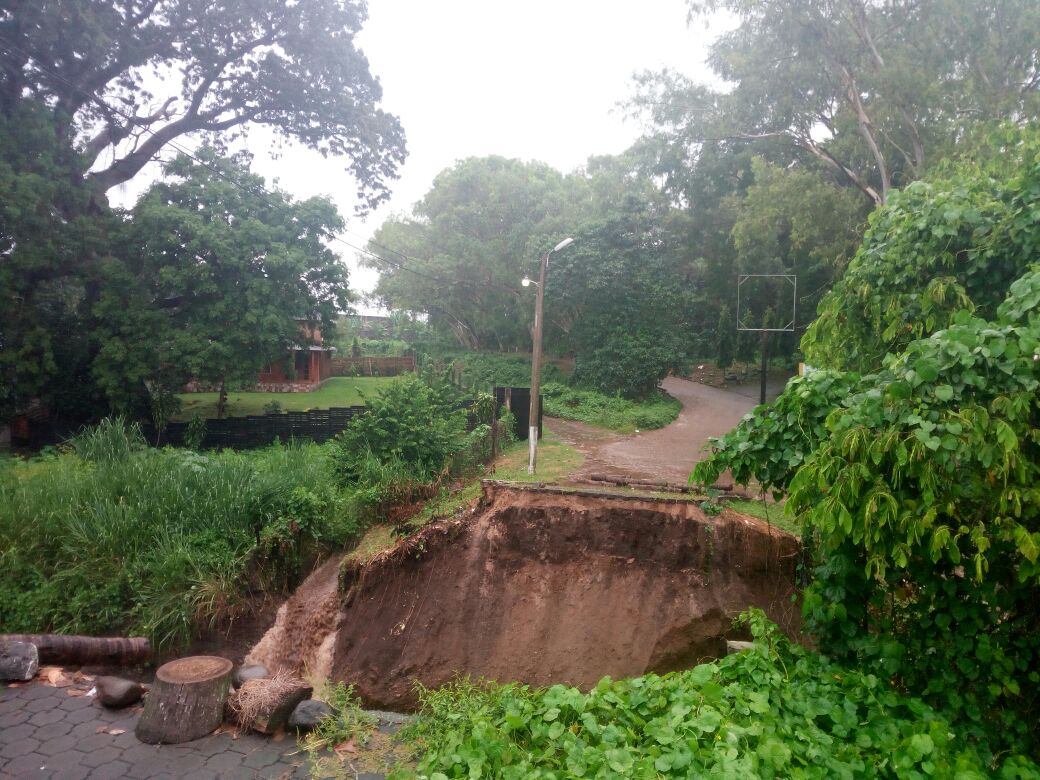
(539, 80)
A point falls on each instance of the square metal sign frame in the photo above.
(792, 280)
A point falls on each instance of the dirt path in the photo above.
(669, 453)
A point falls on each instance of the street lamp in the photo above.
(536, 354)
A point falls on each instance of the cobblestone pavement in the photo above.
(45, 733)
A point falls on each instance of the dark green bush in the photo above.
(411, 423)
(631, 365)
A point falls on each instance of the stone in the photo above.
(250, 672)
(734, 646)
(117, 692)
(309, 714)
(18, 660)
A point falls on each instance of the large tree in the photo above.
(125, 78)
(873, 92)
(218, 280)
(460, 256)
(92, 90)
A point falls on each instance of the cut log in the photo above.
(58, 649)
(186, 700)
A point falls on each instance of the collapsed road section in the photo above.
(538, 585)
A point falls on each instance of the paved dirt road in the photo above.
(670, 452)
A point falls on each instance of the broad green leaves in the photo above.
(940, 247)
(776, 710)
(773, 440)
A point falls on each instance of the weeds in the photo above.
(109, 537)
(609, 411)
(348, 721)
(776, 710)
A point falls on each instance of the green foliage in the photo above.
(610, 411)
(484, 370)
(776, 710)
(923, 497)
(415, 424)
(631, 365)
(109, 440)
(157, 542)
(621, 299)
(481, 225)
(196, 433)
(208, 256)
(49, 251)
(725, 338)
(297, 71)
(939, 247)
(773, 440)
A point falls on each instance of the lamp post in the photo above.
(536, 354)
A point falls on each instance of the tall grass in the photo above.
(110, 537)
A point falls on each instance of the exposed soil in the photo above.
(669, 453)
(537, 585)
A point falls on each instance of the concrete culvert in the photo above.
(541, 586)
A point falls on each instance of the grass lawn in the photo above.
(337, 391)
(768, 511)
(556, 460)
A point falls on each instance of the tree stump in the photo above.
(186, 700)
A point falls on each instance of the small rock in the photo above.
(18, 660)
(117, 692)
(309, 714)
(251, 672)
(734, 646)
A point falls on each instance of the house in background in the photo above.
(305, 367)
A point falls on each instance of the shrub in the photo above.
(629, 364)
(484, 370)
(773, 440)
(610, 411)
(111, 439)
(411, 423)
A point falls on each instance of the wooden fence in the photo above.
(317, 425)
(242, 433)
(373, 366)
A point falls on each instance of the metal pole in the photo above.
(536, 367)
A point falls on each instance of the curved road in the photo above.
(668, 453)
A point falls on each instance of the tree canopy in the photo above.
(221, 278)
(90, 92)
(916, 483)
(123, 79)
(616, 299)
(871, 92)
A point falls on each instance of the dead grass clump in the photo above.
(258, 697)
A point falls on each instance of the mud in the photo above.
(540, 586)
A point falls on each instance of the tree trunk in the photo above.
(58, 649)
(222, 398)
(186, 701)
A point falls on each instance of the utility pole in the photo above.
(536, 367)
(536, 354)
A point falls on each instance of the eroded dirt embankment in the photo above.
(540, 586)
